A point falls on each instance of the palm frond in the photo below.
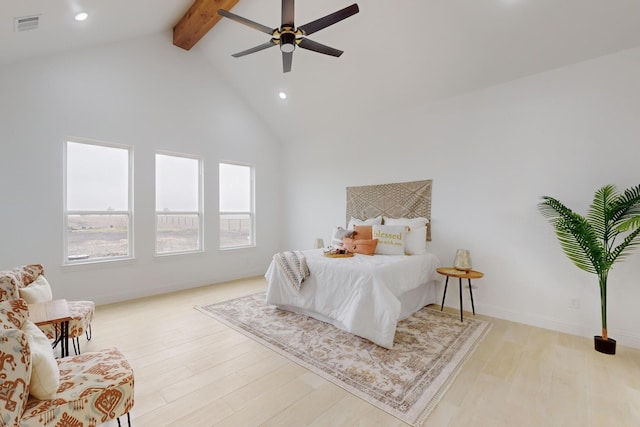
(626, 206)
(553, 209)
(629, 224)
(623, 250)
(599, 213)
(577, 238)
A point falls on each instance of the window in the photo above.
(236, 206)
(97, 203)
(178, 201)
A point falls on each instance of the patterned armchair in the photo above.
(92, 388)
(28, 282)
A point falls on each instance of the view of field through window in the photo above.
(236, 205)
(98, 220)
(177, 204)
(177, 233)
(235, 230)
(97, 236)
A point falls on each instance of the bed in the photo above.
(365, 295)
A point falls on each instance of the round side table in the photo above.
(460, 274)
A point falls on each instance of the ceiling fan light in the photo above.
(287, 47)
(287, 42)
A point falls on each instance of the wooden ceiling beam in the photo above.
(199, 19)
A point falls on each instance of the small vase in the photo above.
(462, 260)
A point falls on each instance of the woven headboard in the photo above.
(404, 199)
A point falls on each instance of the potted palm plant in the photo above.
(590, 241)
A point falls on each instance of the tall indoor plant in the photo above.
(589, 241)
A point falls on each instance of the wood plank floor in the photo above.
(193, 371)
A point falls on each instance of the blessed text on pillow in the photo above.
(416, 240)
(391, 239)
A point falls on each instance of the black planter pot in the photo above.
(607, 346)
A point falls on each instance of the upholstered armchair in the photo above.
(28, 282)
(38, 390)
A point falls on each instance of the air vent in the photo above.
(26, 23)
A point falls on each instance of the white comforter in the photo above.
(357, 294)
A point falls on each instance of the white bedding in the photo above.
(362, 295)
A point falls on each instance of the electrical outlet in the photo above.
(574, 303)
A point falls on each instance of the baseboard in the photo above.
(623, 338)
(137, 293)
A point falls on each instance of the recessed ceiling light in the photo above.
(81, 16)
(282, 95)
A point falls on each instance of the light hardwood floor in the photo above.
(193, 371)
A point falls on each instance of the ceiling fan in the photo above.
(287, 36)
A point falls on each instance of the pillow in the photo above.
(369, 221)
(37, 291)
(390, 239)
(416, 241)
(339, 233)
(45, 376)
(411, 222)
(364, 247)
(363, 232)
(13, 313)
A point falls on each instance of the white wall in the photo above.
(492, 154)
(153, 96)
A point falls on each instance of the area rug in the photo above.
(406, 381)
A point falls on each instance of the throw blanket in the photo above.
(293, 265)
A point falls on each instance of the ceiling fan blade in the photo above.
(245, 21)
(258, 48)
(318, 47)
(287, 59)
(287, 13)
(330, 19)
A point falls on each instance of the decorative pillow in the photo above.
(364, 247)
(45, 376)
(13, 313)
(363, 232)
(37, 291)
(416, 241)
(11, 280)
(339, 233)
(369, 221)
(411, 222)
(390, 239)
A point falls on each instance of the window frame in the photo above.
(129, 213)
(199, 213)
(252, 206)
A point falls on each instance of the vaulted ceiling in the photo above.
(397, 54)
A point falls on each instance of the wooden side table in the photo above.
(52, 312)
(460, 274)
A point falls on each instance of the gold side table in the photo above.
(460, 274)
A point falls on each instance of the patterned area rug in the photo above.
(407, 381)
